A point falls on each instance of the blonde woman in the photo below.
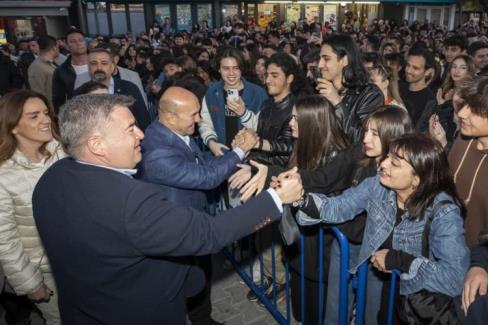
(461, 68)
(387, 80)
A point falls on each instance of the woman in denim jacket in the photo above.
(413, 177)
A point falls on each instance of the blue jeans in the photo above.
(373, 293)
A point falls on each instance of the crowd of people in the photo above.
(114, 151)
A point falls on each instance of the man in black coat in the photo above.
(100, 68)
(10, 78)
(65, 75)
(118, 248)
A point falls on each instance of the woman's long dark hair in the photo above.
(429, 162)
(11, 109)
(354, 74)
(390, 121)
(320, 132)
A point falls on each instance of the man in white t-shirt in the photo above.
(65, 75)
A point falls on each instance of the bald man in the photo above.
(172, 159)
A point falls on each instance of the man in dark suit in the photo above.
(173, 160)
(117, 246)
(100, 68)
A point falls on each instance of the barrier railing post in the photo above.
(344, 276)
(283, 315)
(261, 261)
(288, 295)
(251, 256)
(361, 293)
(321, 275)
(273, 270)
(302, 277)
(259, 292)
(395, 274)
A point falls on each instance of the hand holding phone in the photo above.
(315, 71)
(232, 94)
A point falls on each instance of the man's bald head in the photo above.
(179, 110)
(175, 97)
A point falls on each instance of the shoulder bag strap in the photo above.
(428, 223)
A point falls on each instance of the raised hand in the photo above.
(256, 184)
(246, 139)
(436, 130)
(236, 105)
(240, 177)
(327, 89)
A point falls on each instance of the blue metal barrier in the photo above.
(362, 282)
(395, 275)
(284, 316)
(344, 276)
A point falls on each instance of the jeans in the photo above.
(374, 280)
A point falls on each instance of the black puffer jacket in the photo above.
(63, 84)
(356, 105)
(273, 126)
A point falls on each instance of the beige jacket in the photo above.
(22, 255)
(40, 74)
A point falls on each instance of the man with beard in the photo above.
(419, 70)
(100, 68)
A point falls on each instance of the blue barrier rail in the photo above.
(395, 276)
(282, 314)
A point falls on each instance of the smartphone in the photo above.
(232, 94)
(315, 71)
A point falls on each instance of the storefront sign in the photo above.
(3, 37)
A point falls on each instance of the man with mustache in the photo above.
(101, 68)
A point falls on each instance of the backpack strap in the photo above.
(428, 223)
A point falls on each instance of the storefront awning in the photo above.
(439, 2)
(34, 8)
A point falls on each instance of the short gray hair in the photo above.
(83, 114)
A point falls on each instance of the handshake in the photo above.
(288, 186)
(246, 139)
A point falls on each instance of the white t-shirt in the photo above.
(79, 69)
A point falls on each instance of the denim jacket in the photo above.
(448, 260)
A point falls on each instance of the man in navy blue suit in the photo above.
(173, 160)
(117, 246)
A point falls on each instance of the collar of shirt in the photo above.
(111, 86)
(185, 138)
(127, 172)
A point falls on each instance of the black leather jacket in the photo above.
(273, 126)
(63, 83)
(356, 105)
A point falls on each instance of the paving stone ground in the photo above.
(229, 302)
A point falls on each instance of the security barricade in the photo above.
(282, 314)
